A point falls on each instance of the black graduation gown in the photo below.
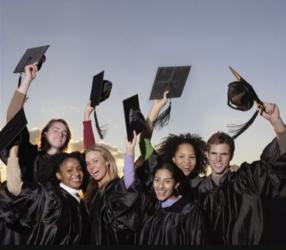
(113, 214)
(48, 215)
(274, 214)
(9, 235)
(235, 208)
(181, 224)
(33, 162)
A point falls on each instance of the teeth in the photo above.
(95, 173)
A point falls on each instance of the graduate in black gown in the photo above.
(55, 136)
(171, 218)
(112, 202)
(234, 201)
(51, 213)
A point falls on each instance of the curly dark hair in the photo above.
(169, 146)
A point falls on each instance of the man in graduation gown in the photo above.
(233, 202)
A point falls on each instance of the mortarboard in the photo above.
(32, 55)
(134, 119)
(172, 79)
(100, 91)
(241, 96)
(12, 129)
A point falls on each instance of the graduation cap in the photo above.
(170, 79)
(241, 96)
(32, 55)
(134, 119)
(12, 130)
(100, 91)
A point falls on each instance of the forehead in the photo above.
(163, 173)
(93, 154)
(220, 148)
(185, 148)
(58, 125)
(70, 163)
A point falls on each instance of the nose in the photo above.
(218, 158)
(161, 185)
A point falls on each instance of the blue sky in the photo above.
(129, 39)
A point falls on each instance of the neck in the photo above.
(52, 151)
(217, 177)
(104, 180)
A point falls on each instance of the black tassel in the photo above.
(239, 129)
(20, 80)
(101, 130)
(164, 117)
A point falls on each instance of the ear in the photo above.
(59, 176)
(207, 154)
(177, 185)
(173, 159)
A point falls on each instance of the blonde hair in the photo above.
(112, 167)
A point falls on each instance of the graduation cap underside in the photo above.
(12, 129)
(170, 79)
(100, 91)
(241, 96)
(134, 119)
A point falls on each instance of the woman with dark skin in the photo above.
(187, 151)
(50, 213)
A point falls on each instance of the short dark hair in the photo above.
(221, 138)
(57, 160)
(45, 145)
(170, 144)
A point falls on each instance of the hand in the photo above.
(130, 146)
(160, 103)
(87, 112)
(233, 167)
(270, 112)
(30, 72)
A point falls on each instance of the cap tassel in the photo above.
(164, 117)
(239, 129)
(101, 131)
(20, 80)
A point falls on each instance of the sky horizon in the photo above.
(129, 40)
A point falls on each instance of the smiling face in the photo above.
(57, 135)
(219, 157)
(70, 173)
(97, 166)
(185, 158)
(164, 185)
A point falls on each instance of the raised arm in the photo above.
(146, 148)
(128, 170)
(272, 114)
(19, 97)
(88, 136)
(14, 181)
(157, 106)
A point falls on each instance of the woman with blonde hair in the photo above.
(111, 200)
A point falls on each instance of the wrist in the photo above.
(278, 125)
